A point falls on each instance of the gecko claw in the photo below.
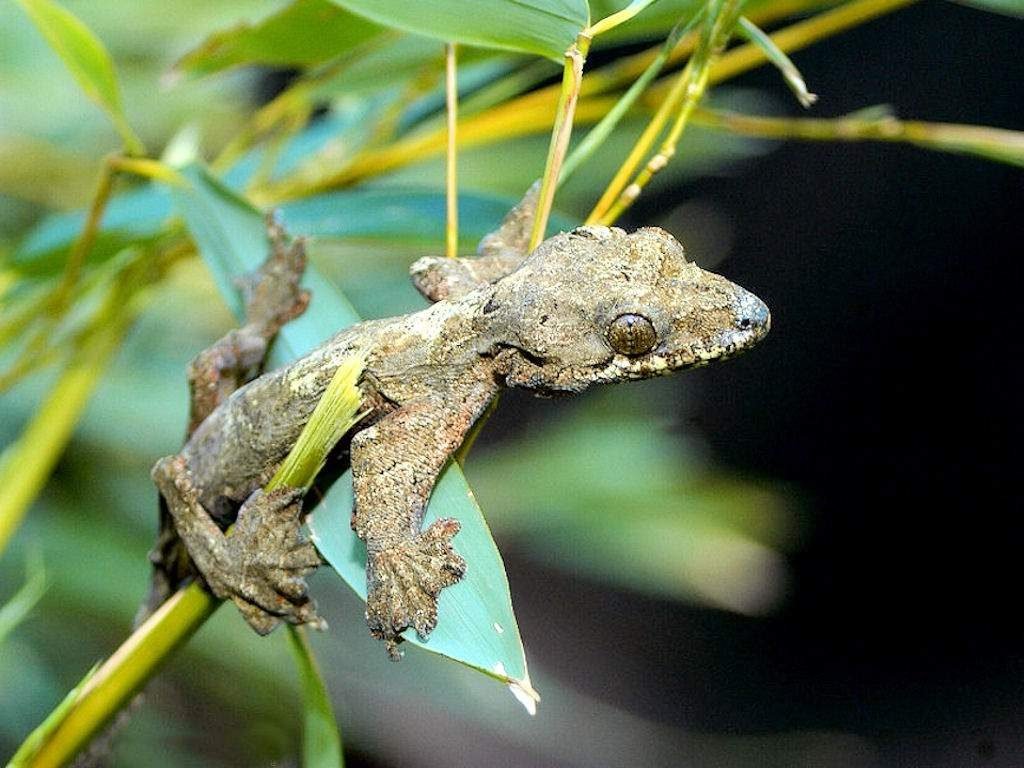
(406, 580)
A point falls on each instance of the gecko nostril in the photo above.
(745, 323)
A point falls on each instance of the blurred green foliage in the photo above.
(605, 489)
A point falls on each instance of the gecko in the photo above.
(591, 306)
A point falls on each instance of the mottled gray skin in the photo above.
(542, 323)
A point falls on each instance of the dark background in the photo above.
(889, 392)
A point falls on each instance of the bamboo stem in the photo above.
(451, 161)
(565, 112)
(120, 677)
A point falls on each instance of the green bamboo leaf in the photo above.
(84, 55)
(14, 611)
(412, 215)
(476, 625)
(336, 413)
(321, 743)
(135, 217)
(301, 34)
(778, 57)
(1009, 7)
(544, 27)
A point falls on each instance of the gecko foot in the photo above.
(405, 581)
(266, 561)
(272, 293)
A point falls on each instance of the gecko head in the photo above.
(598, 305)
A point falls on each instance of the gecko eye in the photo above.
(631, 334)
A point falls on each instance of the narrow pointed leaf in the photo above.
(321, 743)
(476, 625)
(545, 27)
(778, 57)
(14, 611)
(90, 63)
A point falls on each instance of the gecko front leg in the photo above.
(395, 464)
(498, 254)
(260, 563)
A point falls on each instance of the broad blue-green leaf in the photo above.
(545, 27)
(87, 59)
(302, 34)
(413, 215)
(476, 624)
(321, 743)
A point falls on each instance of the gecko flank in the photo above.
(592, 306)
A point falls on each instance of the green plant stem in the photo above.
(59, 738)
(618, 196)
(121, 676)
(26, 463)
(993, 143)
(572, 78)
(85, 240)
(597, 135)
(688, 91)
(451, 92)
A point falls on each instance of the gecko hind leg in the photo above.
(404, 582)
(261, 563)
(272, 298)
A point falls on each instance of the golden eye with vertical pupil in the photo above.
(631, 334)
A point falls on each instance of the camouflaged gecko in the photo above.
(591, 306)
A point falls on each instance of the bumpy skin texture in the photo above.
(549, 322)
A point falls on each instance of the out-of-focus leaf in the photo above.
(303, 33)
(476, 625)
(14, 611)
(39, 171)
(656, 20)
(1009, 7)
(321, 743)
(413, 215)
(130, 217)
(676, 529)
(87, 59)
(25, 464)
(545, 27)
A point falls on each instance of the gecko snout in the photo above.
(751, 313)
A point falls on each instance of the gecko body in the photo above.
(591, 306)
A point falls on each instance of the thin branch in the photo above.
(996, 144)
